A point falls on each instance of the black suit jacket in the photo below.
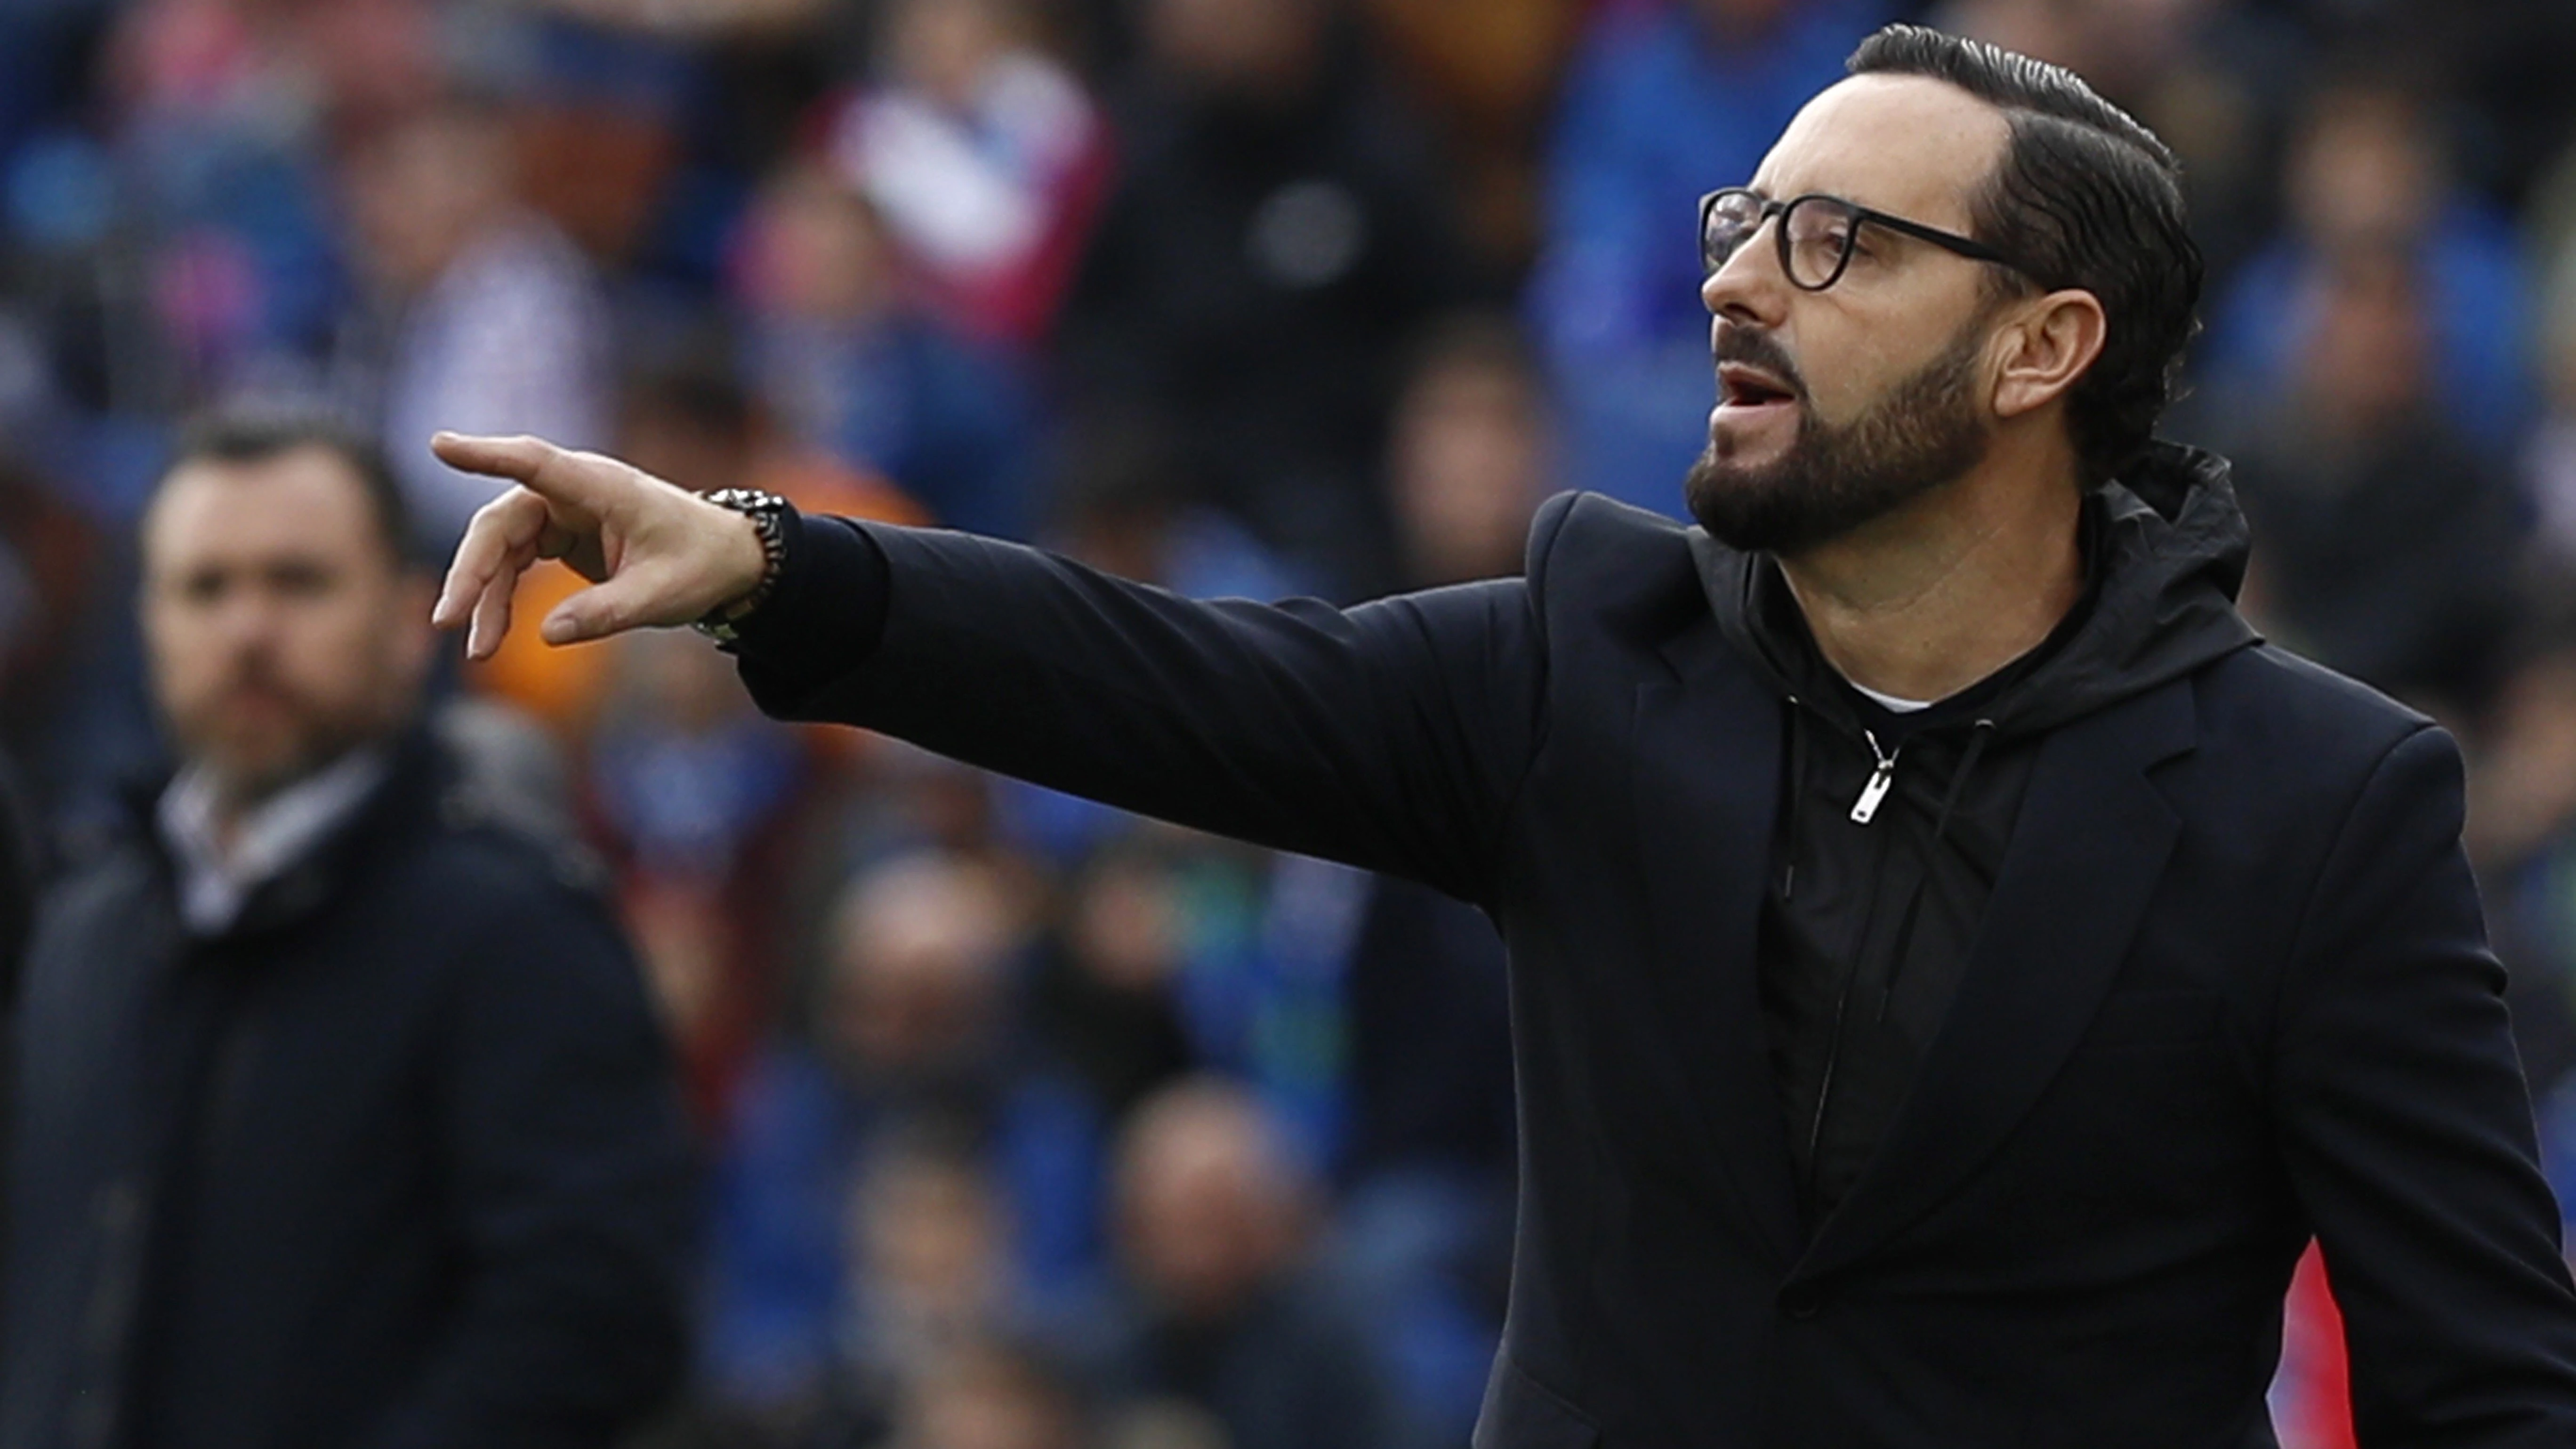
(395, 1162)
(2231, 990)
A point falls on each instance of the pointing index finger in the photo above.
(539, 466)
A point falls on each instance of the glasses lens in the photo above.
(1730, 219)
(1819, 236)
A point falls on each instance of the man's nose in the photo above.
(1749, 288)
(248, 620)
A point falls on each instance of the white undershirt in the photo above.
(1890, 702)
(214, 883)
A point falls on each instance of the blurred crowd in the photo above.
(1028, 1125)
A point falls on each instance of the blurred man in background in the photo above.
(1278, 228)
(1213, 1216)
(808, 1320)
(2389, 535)
(342, 1117)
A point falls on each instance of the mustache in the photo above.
(256, 676)
(1753, 348)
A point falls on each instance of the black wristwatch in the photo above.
(768, 514)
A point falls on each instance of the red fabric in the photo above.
(2314, 1401)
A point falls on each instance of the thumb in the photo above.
(622, 603)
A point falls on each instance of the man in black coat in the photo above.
(1956, 968)
(341, 1116)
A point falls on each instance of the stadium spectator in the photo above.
(1488, 75)
(1101, 999)
(1472, 452)
(911, 1035)
(218, 108)
(1213, 1215)
(2389, 539)
(984, 156)
(932, 1295)
(847, 365)
(2369, 168)
(477, 306)
(594, 116)
(1278, 228)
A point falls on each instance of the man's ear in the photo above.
(2047, 349)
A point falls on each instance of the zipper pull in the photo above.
(1865, 809)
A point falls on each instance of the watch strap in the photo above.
(767, 512)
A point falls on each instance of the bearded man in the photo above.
(1956, 967)
(340, 1115)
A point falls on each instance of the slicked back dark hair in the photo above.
(2085, 197)
(249, 435)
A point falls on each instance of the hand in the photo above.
(654, 553)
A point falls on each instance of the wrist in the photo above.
(763, 540)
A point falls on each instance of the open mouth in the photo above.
(1739, 386)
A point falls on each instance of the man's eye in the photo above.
(301, 581)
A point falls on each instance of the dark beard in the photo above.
(1925, 433)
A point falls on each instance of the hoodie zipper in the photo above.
(1873, 794)
(1881, 778)
(1863, 810)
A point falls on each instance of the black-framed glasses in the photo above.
(1816, 234)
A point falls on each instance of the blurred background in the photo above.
(1032, 1126)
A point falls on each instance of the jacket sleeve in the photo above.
(1391, 735)
(570, 1187)
(2407, 1133)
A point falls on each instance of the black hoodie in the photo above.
(1894, 825)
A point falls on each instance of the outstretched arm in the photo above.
(1392, 736)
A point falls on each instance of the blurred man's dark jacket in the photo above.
(395, 1159)
(2228, 989)
(21, 876)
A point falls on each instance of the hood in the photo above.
(2165, 545)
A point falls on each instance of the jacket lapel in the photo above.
(2085, 857)
(1706, 753)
